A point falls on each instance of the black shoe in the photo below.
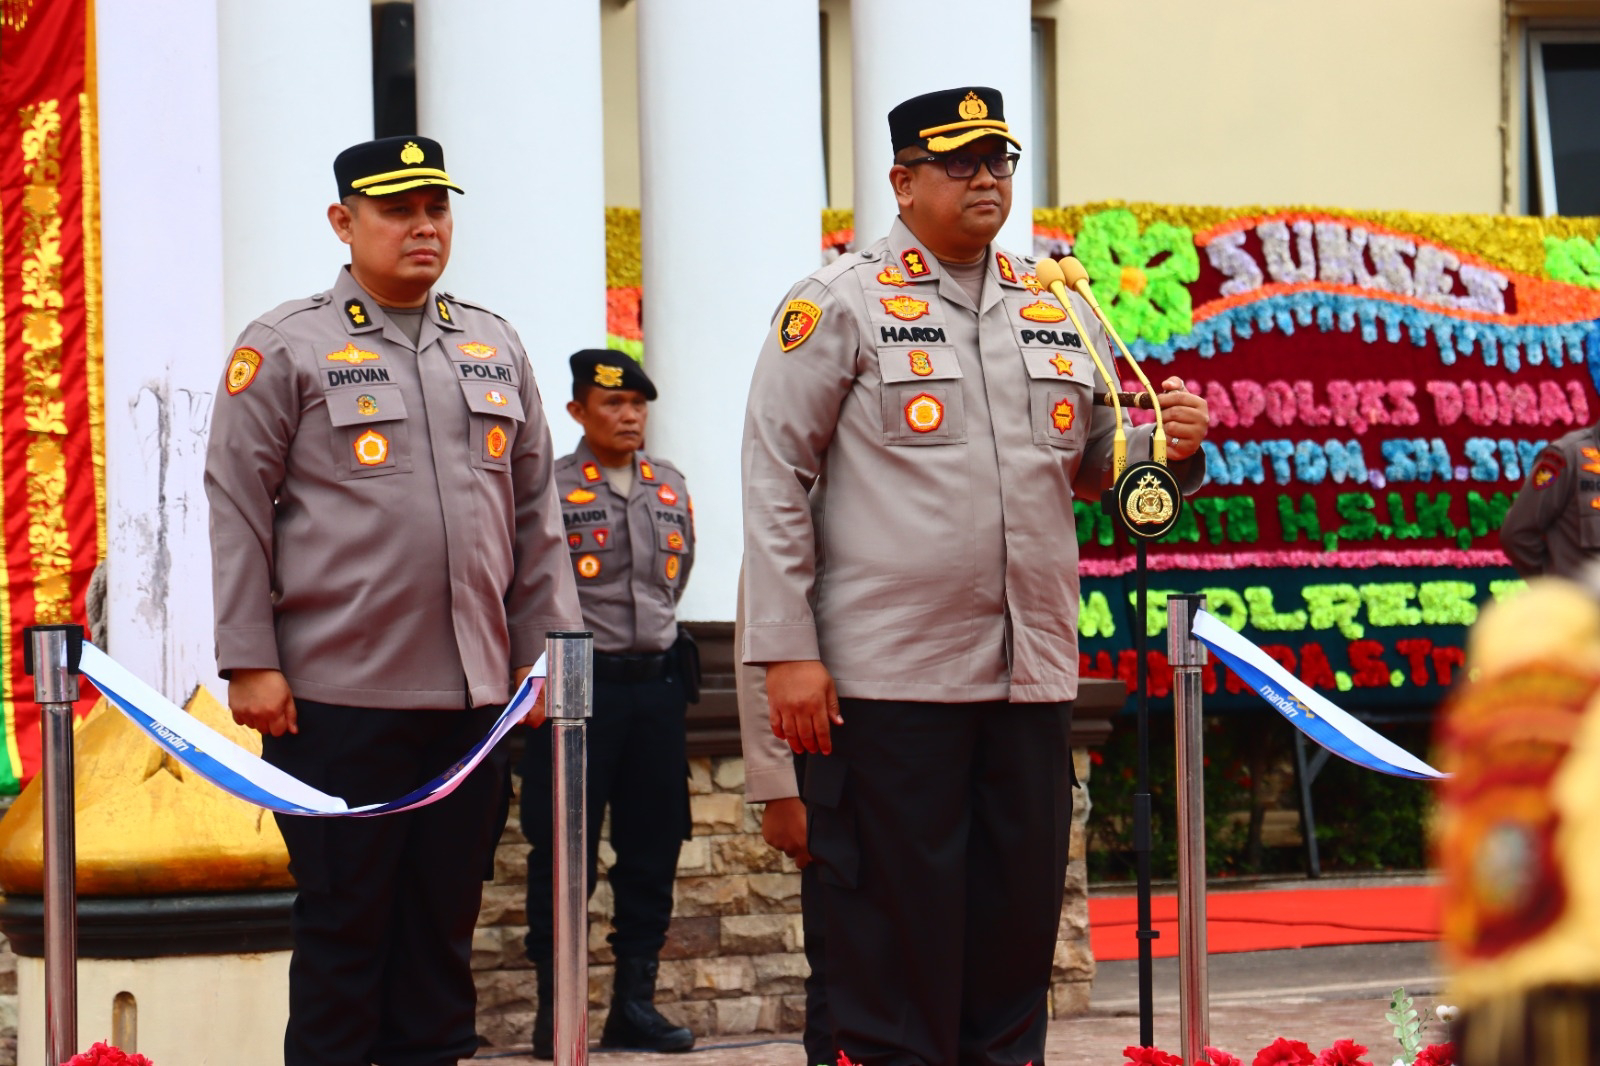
(544, 1018)
(634, 1021)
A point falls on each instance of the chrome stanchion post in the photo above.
(568, 698)
(1187, 656)
(51, 655)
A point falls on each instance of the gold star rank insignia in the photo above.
(1004, 266)
(356, 313)
(915, 264)
(591, 472)
(242, 369)
(646, 471)
(444, 312)
(1062, 364)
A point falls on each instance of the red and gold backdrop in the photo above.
(51, 418)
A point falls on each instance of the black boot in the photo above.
(634, 1021)
(544, 1018)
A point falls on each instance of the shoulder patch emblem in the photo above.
(916, 265)
(1061, 416)
(352, 355)
(1062, 364)
(675, 541)
(672, 568)
(666, 495)
(799, 320)
(1004, 264)
(608, 377)
(478, 349)
(242, 369)
(921, 364)
(580, 496)
(1548, 468)
(495, 442)
(905, 308)
(1039, 311)
(372, 448)
(444, 310)
(591, 472)
(646, 471)
(356, 313)
(1031, 283)
(573, 540)
(601, 536)
(589, 566)
(924, 413)
(890, 275)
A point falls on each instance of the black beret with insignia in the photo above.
(607, 369)
(391, 165)
(946, 120)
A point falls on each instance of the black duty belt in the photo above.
(626, 668)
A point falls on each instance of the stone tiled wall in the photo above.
(733, 962)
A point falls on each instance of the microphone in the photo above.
(1051, 277)
(1077, 277)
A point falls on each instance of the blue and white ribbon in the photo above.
(1334, 729)
(252, 779)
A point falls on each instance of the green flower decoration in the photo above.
(1147, 273)
(1574, 260)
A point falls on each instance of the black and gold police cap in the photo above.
(606, 369)
(391, 165)
(945, 120)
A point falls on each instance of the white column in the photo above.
(161, 217)
(897, 54)
(296, 83)
(512, 91)
(730, 103)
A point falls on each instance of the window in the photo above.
(1563, 136)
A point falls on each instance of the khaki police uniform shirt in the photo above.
(910, 463)
(631, 554)
(385, 528)
(1553, 526)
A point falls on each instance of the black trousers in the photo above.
(818, 1035)
(941, 833)
(638, 767)
(383, 922)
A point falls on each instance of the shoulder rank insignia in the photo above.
(478, 349)
(1062, 364)
(352, 355)
(607, 377)
(647, 471)
(580, 496)
(675, 541)
(890, 275)
(905, 308)
(1004, 264)
(589, 566)
(672, 568)
(573, 540)
(242, 369)
(601, 536)
(666, 495)
(1031, 283)
(1039, 311)
(924, 413)
(916, 265)
(356, 312)
(495, 442)
(798, 321)
(1061, 416)
(591, 472)
(372, 448)
(444, 311)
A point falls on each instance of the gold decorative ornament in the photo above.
(973, 108)
(1150, 503)
(411, 155)
(14, 13)
(608, 377)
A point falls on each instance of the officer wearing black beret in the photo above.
(386, 542)
(630, 536)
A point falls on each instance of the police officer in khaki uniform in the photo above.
(387, 559)
(630, 535)
(920, 422)
(1553, 526)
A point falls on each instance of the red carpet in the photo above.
(1301, 916)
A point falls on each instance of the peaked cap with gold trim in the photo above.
(945, 120)
(391, 165)
(607, 369)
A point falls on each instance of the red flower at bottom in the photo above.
(1343, 1053)
(1437, 1055)
(1218, 1057)
(1282, 1052)
(103, 1054)
(1149, 1056)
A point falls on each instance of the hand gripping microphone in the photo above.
(1078, 278)
(1052, 278)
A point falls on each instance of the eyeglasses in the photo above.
(963, 165)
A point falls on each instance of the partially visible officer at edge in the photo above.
(920, 420)
(1553, 526)
(387, 559)
(630, 535)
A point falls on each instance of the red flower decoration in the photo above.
(1282, 1052)
(1437, 1055)
(103, 1054)
(1149, 1056)
(1218, 1057)
(1343, 1053)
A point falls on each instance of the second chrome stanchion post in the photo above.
(569, 689)
(1187, 657)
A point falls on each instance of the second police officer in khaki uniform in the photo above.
(630, 536)
(1553, 526)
